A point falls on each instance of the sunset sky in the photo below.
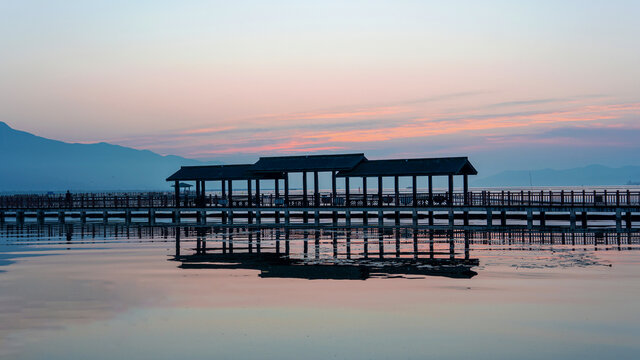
(521, 85)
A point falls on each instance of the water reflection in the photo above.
(338, 254)
(94, 283)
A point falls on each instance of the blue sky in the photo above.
(534, 84)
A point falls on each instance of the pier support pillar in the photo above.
(1, 217)
(316, 217)
(105, 216)
(83, 217)
(202, 218)
(176, 216)
(628, 219)
(465, 216)
(347, 215)
(127, 217)
(489, 218)
(572, 219)
(20, 217)
(258, 217)
(61, 217)
(380, 217)
(543, 218)
(230, 217)
(452, 218)
(287, 217)
(584, 219)
(414, 217)
(431, 218)
(503, 218)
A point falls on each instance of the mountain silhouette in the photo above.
(33, 163)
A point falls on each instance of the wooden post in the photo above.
(316, 190)
(305, 201)
(203, 192)
(197, 197)
(430, 190)
(365, 215)
(396, 190)
(364, 191)
(466, 189)
(450, 190)
(415, 190)
(379, 191)
(249, 200)
(334, 214)
(176, 192)
(258, 196)
(333, 185)
(347, 200)
(277, 196)
(286, 188)
(230, 193)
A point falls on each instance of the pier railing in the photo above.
(483, 198)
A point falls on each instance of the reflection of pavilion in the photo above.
(319, 258)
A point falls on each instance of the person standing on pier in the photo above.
(67, 199)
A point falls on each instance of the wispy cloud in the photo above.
(346, 130)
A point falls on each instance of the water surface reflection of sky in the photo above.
(104, 296)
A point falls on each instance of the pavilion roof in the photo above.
(410, 167)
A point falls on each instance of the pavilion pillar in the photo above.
(430, 190)
(396, 190)
(347, 199)
(277, 196)
(230, 193)
(177, 193)
(450, 198)
(415, 190)
(249, 202)
(334, 214)
(286, 189)
(466, 189)
(379, 191)
(258, 197)
(316, 190)
(197, 198)
(365, 201)
(203, 192)
(224, 197)
(305, 201)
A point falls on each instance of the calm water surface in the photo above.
(116, 292)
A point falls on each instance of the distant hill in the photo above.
(34, 163)
(588, 175)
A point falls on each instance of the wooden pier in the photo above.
(489, 208)
(421, 205)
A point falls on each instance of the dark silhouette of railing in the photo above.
(483, 198)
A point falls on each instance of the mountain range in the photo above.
(33, 163)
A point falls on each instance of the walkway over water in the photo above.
(254, 205)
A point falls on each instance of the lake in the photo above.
(94, 291)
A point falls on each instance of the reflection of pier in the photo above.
(344, 255)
